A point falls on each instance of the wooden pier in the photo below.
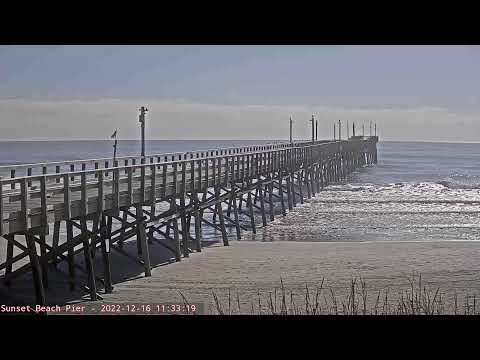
(162, 198)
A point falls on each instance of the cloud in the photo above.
(22, 119)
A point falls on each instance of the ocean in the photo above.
(416, 192)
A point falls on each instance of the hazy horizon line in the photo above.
(237, 140)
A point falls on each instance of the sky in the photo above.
(413, 93)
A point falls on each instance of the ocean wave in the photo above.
(461, 181)
(451, 182)
(398, 201)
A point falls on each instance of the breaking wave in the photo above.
(460, 181)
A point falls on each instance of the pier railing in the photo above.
(57, 167)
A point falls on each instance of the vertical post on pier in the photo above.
(313, 129)
(114, 136)
(291, 130)
(141, 235)
(354, 129)
(143, 110)
(363, 129)
(334, 132)
(375, 129)
(339, 130)
(316, 130)
(370, 128)
(36, 270)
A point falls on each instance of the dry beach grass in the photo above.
(415, 300)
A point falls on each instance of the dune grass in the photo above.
(355, 299)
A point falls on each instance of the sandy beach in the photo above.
(252, 267)
(248, 268)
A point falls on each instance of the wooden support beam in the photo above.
(198, 230)
(219, 211)
(292, 190)
(270, 200)
(235, 214)
(183, 219)
(58, 253)
(9, 259)
(262, 204)
(88, 260)
(250, 207)
(153, 184)
(173, 206)
(71, 255)
(289, 195)
(44, 220)
(36, 270)
(105, 245)
(13, 261)
(299, 184)
(280, 191)
(94, 233)
(143, 240)
(109, 226)
(56, 238)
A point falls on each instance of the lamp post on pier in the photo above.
(313, 129)
(114, 136)
(141, 119)
(291, 130)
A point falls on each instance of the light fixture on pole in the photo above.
(143, 110)
(114, 136)
(313, 129)
(291, 130)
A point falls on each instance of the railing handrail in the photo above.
(8, 181)
(65, 162)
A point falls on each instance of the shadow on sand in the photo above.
(123, 268)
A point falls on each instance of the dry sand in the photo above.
(251, 267)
